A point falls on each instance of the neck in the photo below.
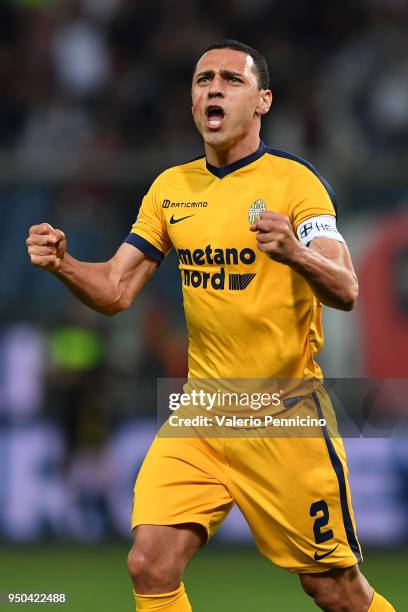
(227, 154)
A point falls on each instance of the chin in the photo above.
(216, 139)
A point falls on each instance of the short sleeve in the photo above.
(149, 232)
(309, 195)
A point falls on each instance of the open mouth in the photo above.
(215, 116)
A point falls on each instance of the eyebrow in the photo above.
(224, 73)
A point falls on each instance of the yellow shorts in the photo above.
(292, 491)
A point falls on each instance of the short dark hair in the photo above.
(260, 62)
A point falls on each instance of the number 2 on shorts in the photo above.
(322, 521)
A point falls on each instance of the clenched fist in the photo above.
(46, 246)
(275, 237)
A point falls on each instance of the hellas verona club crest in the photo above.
(256, 209)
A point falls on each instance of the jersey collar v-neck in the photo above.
(240, 163)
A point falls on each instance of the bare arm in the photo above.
(326, 264)
(107, 287)
(327, 267)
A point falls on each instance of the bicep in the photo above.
(130, 269)
(337, 252)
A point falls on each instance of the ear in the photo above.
(265, 102)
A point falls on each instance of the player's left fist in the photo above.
(275, 237)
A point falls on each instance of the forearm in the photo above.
(92, 283)
(333, 283)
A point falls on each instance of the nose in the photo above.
(216, 89)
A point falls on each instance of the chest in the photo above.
(219, 212)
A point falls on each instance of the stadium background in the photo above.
(94, 103)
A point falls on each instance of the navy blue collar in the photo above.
(240, 163)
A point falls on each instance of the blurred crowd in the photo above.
(115, 74)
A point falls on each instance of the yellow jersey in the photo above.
(247, 315)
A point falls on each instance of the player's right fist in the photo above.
(46, 246)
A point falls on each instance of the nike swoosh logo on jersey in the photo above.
(173, 220)
(318, 557)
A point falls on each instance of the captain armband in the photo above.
(322, 226)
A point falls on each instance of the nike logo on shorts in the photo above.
(173, 220)
(318, 557)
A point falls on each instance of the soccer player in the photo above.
(255, 232)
